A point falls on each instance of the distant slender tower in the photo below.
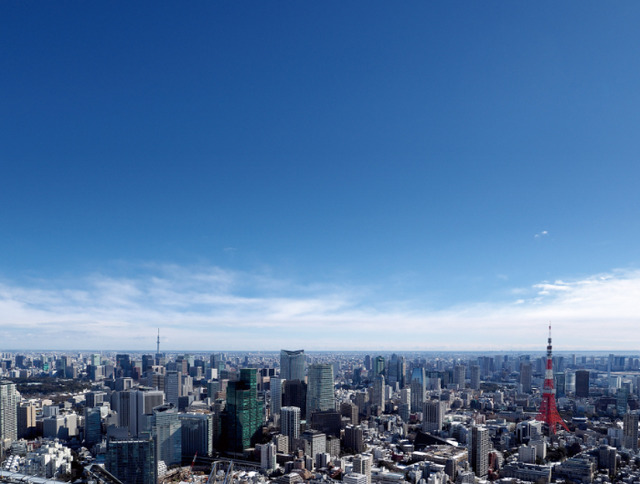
(548, 411)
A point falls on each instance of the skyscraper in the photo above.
(630, 431)
(525, 376)
(418, 389)
(378, 366)
(433, 416)
(290, 424)
(167, 434)
(295, 395)
(474, 373)
(582, 383)
(378, 396)
(9, 399)
(459, 375)
(197, 433)
(362, 465)
(292, 365)
(243, 416)
(320, 393)
(480, 451)
(276, 395)
(132, 461)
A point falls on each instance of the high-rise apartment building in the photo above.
(630, 431)
(320, 392)
(290, 424)
(480, 447)
(292, 364)
(242, 418)
(9, 399)
(362, 465)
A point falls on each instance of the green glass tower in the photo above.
(132, 461)
(243, 416)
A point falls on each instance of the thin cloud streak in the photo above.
(210, 308)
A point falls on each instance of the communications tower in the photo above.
(548, 411)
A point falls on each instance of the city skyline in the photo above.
(374, 177)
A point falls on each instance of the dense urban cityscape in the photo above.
(319, 417)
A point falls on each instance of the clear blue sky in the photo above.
(281, 167)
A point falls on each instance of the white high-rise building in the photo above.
(290, 424)
(362, 465)
(480, 447)
(276, 395)
(354, 478)
(268, 456)
(9, 399)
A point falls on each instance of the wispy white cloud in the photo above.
(543, 233)
(211, 308)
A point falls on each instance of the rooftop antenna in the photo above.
(158, 343)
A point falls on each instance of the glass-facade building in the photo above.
(243, 415)
(132, 461)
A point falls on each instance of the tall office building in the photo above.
(630, 431)
(459, 375)
(480, 446)
(378, 366)
(173, 387)
(197, 433)
(525, 376)
(362, 465)
(243, 415)
(276, 395)
(294, 394)
(418, 389)
(582, 383)
(290, 424)
(474, 373)
(9, 399)
(292, 365)
(320, 393)
(378, 394)
(132, 461)
(433, 416)
(354, 438)
(26, 420)
(396, 370)
(167, 434)
(92, 426)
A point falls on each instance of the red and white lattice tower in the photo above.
(548, 412)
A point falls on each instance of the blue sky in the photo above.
(301, 174)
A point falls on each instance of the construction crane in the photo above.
(224, 466)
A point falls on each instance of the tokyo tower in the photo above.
(548, 412)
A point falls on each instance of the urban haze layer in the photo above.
(319, 417)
